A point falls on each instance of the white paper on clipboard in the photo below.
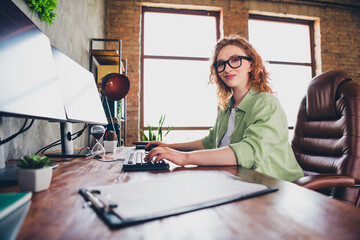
(176, 190)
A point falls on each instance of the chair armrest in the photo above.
(316, 182)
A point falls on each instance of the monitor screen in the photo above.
(79, 92)
(28, 81)
(38, 81)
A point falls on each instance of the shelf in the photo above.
(107, 57)
(105, 52)
(103, 62)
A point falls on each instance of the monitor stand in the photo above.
(67, 147)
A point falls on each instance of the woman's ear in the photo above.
(251, 67)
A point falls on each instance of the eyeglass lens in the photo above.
(232, 62)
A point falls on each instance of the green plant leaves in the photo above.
(110, 136)
(152, 135)
(34, 161)
(144, 137)
(44, 8)
(169, 129)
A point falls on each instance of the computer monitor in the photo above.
(81, 100)
(79, 91)
(29, 80)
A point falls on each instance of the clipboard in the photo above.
(212, 188)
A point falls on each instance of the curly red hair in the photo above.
(258, 77)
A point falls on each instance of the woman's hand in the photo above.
(155, 144)
(190, 153)
(158, 153)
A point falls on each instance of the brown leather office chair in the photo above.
(326, 140)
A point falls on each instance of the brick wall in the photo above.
(340, 36)
(337, 32)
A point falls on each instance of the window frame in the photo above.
(145, 9)
(310, 24)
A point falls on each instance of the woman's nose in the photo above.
(227, 67)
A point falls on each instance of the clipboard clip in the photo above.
(93, 198)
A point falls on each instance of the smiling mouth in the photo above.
(229, 77)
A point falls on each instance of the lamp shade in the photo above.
(115, 86)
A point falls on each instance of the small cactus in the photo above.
(110, 136)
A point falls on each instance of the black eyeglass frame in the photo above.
(228, 62)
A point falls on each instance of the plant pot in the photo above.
(110, 146)
(34, 180)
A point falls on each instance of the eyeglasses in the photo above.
(234, 62)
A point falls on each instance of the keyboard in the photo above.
(134, 161)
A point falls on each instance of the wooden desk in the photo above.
(292, 212)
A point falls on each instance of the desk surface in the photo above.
(292, 212)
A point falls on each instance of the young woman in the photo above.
(251, 127)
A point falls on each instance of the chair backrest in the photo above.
(327, 132)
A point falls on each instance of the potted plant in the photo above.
(151, 133)
(34, 173)
(110, 141)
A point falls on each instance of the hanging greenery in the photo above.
(44, 8)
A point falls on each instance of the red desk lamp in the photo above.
(114, 87)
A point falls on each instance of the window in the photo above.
(287, 47)
(177, 46)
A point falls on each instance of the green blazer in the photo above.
(260, 138)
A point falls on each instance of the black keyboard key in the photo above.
(146, 166)
(135, 162)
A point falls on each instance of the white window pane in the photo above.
(176, 136)
(179, 34)
(290, 84)
(278, 41)
(179, 90)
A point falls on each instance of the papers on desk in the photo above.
(175, 193)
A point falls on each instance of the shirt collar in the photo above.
(246, 103)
